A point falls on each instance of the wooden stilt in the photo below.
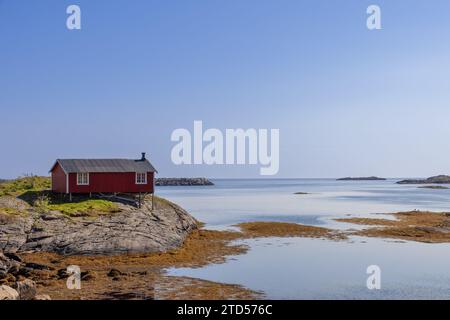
(152, 201)
(70, 197)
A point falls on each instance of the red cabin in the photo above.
(103, 176)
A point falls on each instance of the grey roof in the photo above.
(105, 165)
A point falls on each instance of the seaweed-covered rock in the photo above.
(7, 265)
(26, 289)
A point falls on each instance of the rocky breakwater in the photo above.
(126, 230)
(183, 182)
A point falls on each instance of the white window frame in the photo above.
(139, 176)
(82, 178)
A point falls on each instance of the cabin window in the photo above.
(141, 178)
(82, 179)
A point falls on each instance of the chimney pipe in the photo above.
(143, 156)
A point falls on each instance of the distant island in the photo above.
(360, 179)
(183, 182)
(441, 179)
(433, 187)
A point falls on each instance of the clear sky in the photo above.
(347, 101)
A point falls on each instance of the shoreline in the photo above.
(418, 226)
(146, 273)
(102, 238)
(144, 276)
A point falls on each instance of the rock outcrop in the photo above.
(131, 230)
(183, 182)
(8, 293)
(8, 265)
(26, 289)
(360, 179)
(442, 179)
(13, 285)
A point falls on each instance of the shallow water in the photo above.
(298, 268)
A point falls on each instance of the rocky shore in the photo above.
(441, 179)
(13, 282)
(143, 276)
(183, 182)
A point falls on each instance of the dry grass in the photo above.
(421, 226)
(281, 229)
(24, 184)
(369, 221)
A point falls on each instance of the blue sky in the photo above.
(347, 101)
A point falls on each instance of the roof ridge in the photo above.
(113, 165)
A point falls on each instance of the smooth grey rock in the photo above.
(8, 293)
(130, 231)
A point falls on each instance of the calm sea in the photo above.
(297, 268)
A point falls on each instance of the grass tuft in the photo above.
(35, 191)
(86, 207)
(24, 184)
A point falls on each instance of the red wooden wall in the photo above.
(58, 179)
(111, 182)
(101, 182)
